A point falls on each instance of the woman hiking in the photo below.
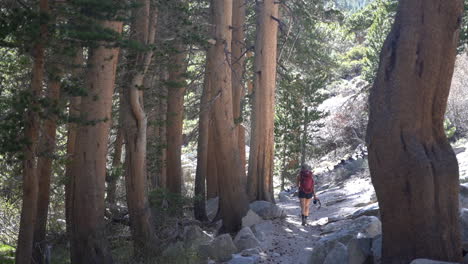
(305, 183)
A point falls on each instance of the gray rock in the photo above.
(250, 219)
(284, 197)
(463, 196)
(212, 207)
(428, 261)
(261, 229)
(251, 252)
(464, 227)
(246, 239)
(362, 227)
(220, 249)
(359, 251)
(195, 236)
(267, 210)
(320, 252)
(239, 259)
(339, 254)
(369, 210)
(377, 249)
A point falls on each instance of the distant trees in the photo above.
(413, 167)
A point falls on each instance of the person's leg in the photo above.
(306, 207)
(302, 201)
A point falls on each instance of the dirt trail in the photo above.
(287, 241)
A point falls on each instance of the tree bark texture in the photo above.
(74, 113)
(413, 167)
(135, 124)
(203, 138)
(175, 117)
(233, 200)
(89, 244)
(31, 133)
(212, 169)
(44, 167)
(238, 69)
(260, 175)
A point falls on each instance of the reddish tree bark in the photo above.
(31, 131)
(89, 244)
(413, 167)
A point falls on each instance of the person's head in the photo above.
(305, 167)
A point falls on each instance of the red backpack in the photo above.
(306, 182)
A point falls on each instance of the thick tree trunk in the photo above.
(260, 176)
(238, 68)
(89, 244)
(212, 169)
(413, 167)
(135, 124)
(233, 200)
(44, 167)
(74, 113)
(175, 118)
(31, 133)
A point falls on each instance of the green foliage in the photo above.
(167, 204)
(449, 128)
(7, 254)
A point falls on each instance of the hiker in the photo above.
(305, 183)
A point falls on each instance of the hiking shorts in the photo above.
(305, 195)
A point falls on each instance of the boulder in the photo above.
(339, 254)
(246, 239)
(267, 210)
(220, 249)
(369, 210)
(359, 251)
(362, 227)
(320, 252)
(195, 236)
(463, 196)
(261, 229)
(377, 249)
(239, 259)
(428, 261)
(464, 227)
(250, 219)
(212, 207)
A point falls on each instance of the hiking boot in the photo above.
(303, 220)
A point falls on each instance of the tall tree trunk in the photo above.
(212, 170)
(89, 244)
(260, 176)
(175, 118)
(233, 200)
(238, 68)
(413, 167)
(135, 124)
(114, 178)
(74, 113)
(31, 131)
(44, 166)
(203, 137)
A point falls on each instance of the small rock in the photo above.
(246, 239)
(251, 252)
(339, 254)
(276, 255)
(369, 210)
(428, 261)
(377, 249)
(195, 236)
(250, 219)
(221, 249)
(267, 210)
(239, 259)
(359, 251)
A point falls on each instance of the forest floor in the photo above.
(287, 241)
